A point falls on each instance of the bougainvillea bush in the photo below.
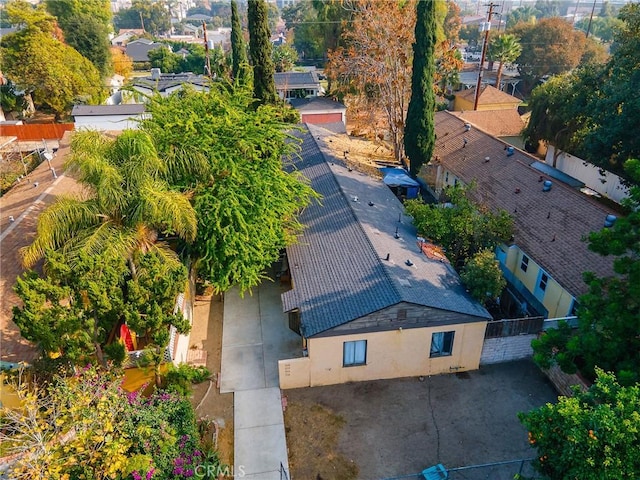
(87, 427)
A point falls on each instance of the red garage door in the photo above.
(317, 118)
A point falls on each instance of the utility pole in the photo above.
(207, 60)
(486, 27)
(591, 18)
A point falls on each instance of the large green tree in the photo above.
(608, 334)
(36, 60)
(152, 15)
(284, 57)
(69, 312)
(264, 88)
(592, 111)
(238, 48)
(127, 206)
(591, 436)
(86, 25)
(463, 229)
(549, 47)
(245, 201)
(419, 130)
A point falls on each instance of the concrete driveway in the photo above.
(255, 336)
(397, 428)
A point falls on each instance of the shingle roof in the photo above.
(295, 79)
(312, 104)
(338, 266)
(499, 123)
(170, 80)
(488, 95)
(549, 226)
(96, 110)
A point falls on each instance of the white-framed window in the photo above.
(441, 344)
(354, 353)
(524, 264)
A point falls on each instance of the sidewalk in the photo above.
(255, 336)
(24, 202)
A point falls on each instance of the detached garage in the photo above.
(320, 110)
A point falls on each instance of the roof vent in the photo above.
(155, 74)
(409, 263)
(546, 186)
(355, 198)
(467, 127)
(610, 220)
(510, 151)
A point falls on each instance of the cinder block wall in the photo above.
(506, 349)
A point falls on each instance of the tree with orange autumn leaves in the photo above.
(372, 71)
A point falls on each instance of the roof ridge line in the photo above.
(385, 269)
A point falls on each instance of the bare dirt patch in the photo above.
(391, 428)
(207, 334)
(361, 153)
(312, 455)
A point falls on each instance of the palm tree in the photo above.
(504, 48)
(125, 204)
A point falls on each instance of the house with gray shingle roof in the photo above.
(297, 84)
(545, 262)
(368, 303)
(167, 83)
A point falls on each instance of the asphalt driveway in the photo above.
(396, 428)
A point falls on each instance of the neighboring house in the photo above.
(139, 49)
(167, 83)
(546, 260)
(188, 29)
(506, 124)
(601, 181)
(508, 81)
(124, 36)
(367, 302)
(297, 85)
(490, 99)
(107, 117)
(321, 110)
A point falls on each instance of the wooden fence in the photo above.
(36, 131)
(513, 327)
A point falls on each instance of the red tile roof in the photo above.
(549, 226)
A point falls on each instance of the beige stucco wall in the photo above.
(390, 354)
(294, 372)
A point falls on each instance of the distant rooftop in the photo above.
(98, 110)
(292, 80)
(499, 123)
(170, 80)
(488, 95)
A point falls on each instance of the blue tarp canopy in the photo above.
(399, 177)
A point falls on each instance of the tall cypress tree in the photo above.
(264, 88)
(238, 51)
(419, 129)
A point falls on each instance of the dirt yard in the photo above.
(389, 428)
(207, 333)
